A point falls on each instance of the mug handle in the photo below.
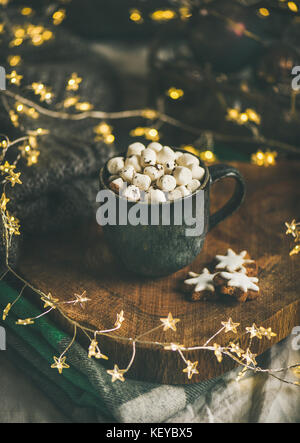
(217, 172)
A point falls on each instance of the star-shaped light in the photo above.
(267, 333)
(174, 347)
(81, 299)
(235, 347)
(254, 331)
(249, 357)
(116, 374)
(218, 352)
(6, 311)
(25, 322)
(12, 224)
(74, 82)
(49, 301)
(291, 228)
(241, 374)
(191, 369)
(230, 326)
(120, 319)
(14, 78)
(295, 250)
(3, 202)
(7, 168)
(94, 351)
(169, 322)
(33, 157)
(14, 178)
(60, 364)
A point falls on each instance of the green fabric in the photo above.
(84, 390)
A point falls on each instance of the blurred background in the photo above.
(220, 69)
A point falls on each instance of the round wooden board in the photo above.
(79, 259)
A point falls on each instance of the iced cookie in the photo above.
(233, 262)
(237, 285)
(201, 285)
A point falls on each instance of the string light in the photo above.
(254, 331)
(14, 178)
(230, 326)
(70, 101)
(3, 202)
(84, 106)
(191, 369)
(49, 300)
(37, 35)
(26, 11)
(150, 114)
(185, 13)
(292, 6)
(264, 12)
(175, 93)
(169, 322)
(116, 374)
(104, 133)
(149, 133)
(14, 60)
(136, 16)
(60, 364)
(74, 82)
(163, 15)
(81, 299)
(236, 349)
(43, 91)
(293, 228)
(266, 159)
(234, 114)
(26, 322)
(6, 311)
(218, 352)
(59, 16)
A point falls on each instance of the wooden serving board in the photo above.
(79, 260)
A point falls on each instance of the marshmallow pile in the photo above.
(154, 174)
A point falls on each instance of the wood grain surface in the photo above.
(79, 259)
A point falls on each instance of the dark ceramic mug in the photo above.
(157, 249)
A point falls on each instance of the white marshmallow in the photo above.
(194, 185)
(166, 183)
(155, 146)
(153, 172)
(115, 165)
(132, 193)
(197, 171)
(183, 190)
(148, 157)
(182, 175)
(169, 167)
(127, 173)
(174, 195)
(134, 160)
(116, 185)
(142, 181)
(178, 154)
(187, 159)
(165, 155)
(157, 196)
(135, 149)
